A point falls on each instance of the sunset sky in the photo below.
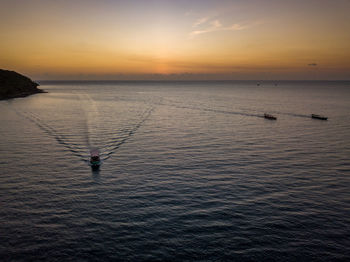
(180, 39)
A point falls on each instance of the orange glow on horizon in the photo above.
(109, 39)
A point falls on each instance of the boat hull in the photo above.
(319, 117)
(95, 165)
(270, 117)
(95, 160)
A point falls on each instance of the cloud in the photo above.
(213, 26)
(312, 64)
(216, 24)
(200, 21)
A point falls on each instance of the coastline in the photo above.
(24, 94)
(15, 85)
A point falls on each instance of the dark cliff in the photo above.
(14, 85)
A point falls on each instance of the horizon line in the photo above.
(192, 80)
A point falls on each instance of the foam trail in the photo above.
(214, 110)
(286, 113)
(86, 125)
(129, 134)
(123, 133)
(34, 117)
(52, 132)
(232, 112)
(291, 114)
(91, 119)
(113, 146)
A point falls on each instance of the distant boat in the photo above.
(270, 117)
(95, 160)
(319, 117)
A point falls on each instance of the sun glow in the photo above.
(57, 39)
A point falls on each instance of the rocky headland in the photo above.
(13, 84)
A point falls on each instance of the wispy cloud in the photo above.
(216, 24)
(213, 26)
(200, 21)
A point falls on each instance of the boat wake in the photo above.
(81, 150)
(206, 109)
(74, 148)
(254, 113)
(91, 115)
(112, 147)
(289, 114)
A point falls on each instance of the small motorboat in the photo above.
(95, 160)
(270, 117)
(319, 117)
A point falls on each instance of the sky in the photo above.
(176, 39)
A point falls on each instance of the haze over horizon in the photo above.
(177, 40)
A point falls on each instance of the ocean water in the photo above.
(191, 172)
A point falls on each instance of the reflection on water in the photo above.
(190, 171)
(96, 174)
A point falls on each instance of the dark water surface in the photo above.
(191, 171)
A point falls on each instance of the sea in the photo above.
(191, 171)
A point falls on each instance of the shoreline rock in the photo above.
(13, 85)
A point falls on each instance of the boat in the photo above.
(319, 117)
(95, 160)
(271, 117)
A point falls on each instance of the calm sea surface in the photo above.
(191, 171)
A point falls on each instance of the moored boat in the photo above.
(95, 160)
(270, 117)
(319, 117)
